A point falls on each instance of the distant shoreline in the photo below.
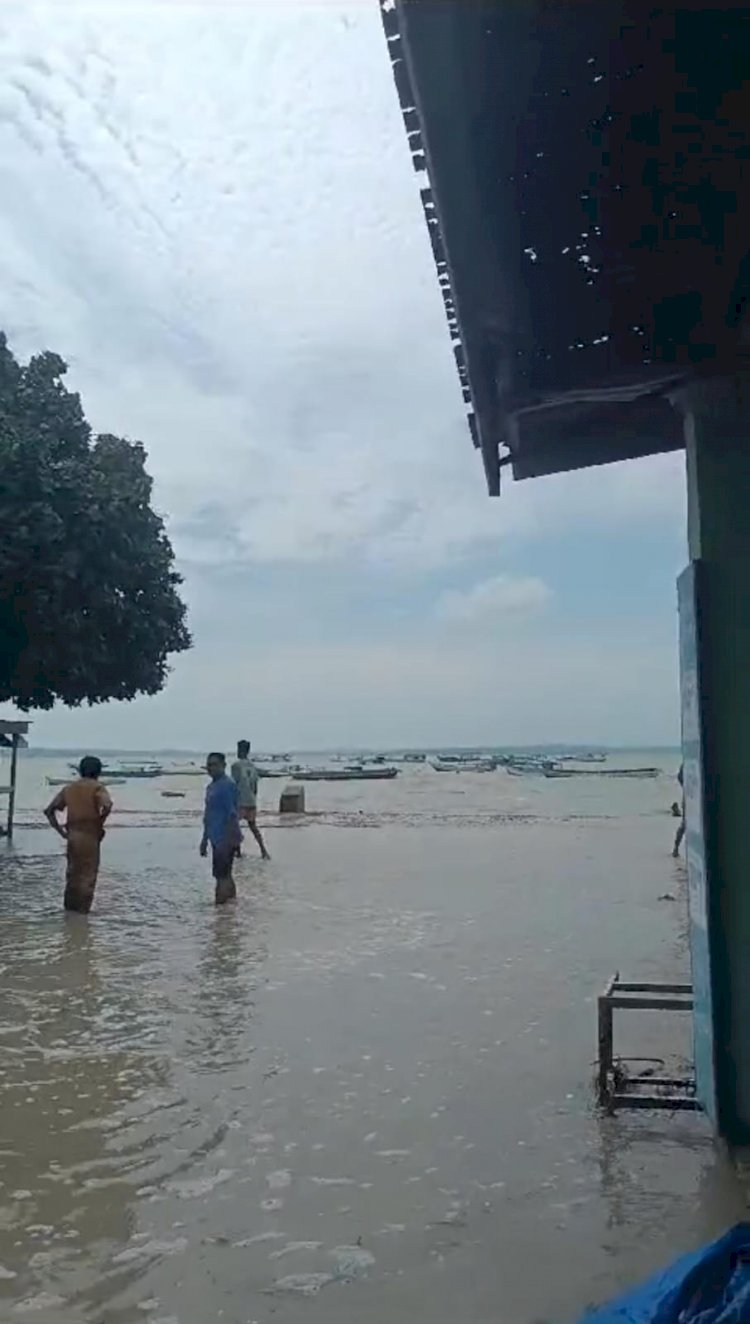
(556, 747)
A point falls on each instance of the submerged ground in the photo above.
(362, 1093)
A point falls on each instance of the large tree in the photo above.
(89, 607)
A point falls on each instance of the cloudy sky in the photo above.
(211, 213)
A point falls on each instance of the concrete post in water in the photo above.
(292, 800)
(714, 602)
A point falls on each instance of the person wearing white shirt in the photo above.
(245, 777)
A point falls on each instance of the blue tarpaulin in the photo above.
(711, 1286)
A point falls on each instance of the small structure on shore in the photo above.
(292, 800)
(12, 737)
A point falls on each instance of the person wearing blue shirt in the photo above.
(221, 827)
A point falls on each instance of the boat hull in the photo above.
(634, 774)
(342, 775)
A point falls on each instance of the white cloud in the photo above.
(494, 598)
(241, 276)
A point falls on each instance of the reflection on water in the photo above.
(220, 1021)
(360, 1092)
(69, 1077)
(98, 1022)
(625, 1148)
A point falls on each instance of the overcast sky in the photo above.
(211, 213)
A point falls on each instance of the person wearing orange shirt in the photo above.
(87, 806)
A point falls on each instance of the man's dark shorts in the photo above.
(222, 858)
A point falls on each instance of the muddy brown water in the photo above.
(363, 1092)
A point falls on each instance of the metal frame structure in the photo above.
(615, 1089)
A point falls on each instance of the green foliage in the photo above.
(89, 608)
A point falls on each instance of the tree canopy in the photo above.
(89, 602)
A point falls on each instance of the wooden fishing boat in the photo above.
(633, 773)
(105, 781)
(464, 765)
(371, 774)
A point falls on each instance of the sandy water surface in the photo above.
(361, 1093)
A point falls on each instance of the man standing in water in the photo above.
(245, 777)
(88, 807)
(681, 829)
(221, 827)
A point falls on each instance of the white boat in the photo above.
(463, 759)
(524, 767)
(105, 781)
(464, 765)
(128, 770)
(592, 757)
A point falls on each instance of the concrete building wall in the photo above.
(718, 463)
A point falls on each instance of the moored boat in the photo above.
(104, 779)
(634, 773)
(464, 765)
(376, 774)
(535, 766)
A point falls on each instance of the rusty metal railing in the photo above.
(617, 1088)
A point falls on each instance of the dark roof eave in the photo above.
(486, 437)
(470, 128)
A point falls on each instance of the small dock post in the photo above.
(15, 738)
(606, 1044)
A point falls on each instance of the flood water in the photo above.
(363, 1092)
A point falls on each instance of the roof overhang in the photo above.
(14, 728)
(585, 174)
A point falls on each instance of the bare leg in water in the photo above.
(222, 872)
(250, 817)
(678, 839)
